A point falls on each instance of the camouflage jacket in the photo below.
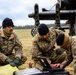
(71, 52)
(8, 45)
(42, 47)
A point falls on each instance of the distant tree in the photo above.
(32, 26)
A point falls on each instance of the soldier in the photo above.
(10, 46)
(68, 43)
(44, 45)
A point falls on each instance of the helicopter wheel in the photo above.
(33, 32)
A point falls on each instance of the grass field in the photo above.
(26, 39)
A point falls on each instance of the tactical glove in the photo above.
(59, 51)
(9, 61)
(17, 61)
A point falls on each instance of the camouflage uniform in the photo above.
(71, 53)
(11, 48)
(45, 47)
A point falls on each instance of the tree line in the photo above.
(32, 26)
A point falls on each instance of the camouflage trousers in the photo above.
(12, 56)
(56, 59)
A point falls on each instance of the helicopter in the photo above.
(64, 8)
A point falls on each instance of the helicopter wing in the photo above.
(51, 15)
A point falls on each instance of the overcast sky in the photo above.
(18, 10)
